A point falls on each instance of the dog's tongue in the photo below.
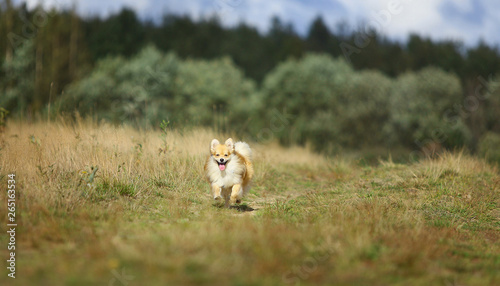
(222, 167)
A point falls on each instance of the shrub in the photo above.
(328, 104)
(18, 85)
(365, 110)
(489, 147)
(125, 91)
(152, 87)
(304, 90)
(493, 105)
(420, 103)
(207, 89)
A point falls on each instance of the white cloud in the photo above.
(422, 17)
(426, 18)
(463, 5)
(490, 31)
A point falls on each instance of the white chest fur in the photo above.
(233, 174)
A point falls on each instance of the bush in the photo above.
(328, 104)
(206, 90)
(125, 91)
(365, 110)
(489, 147)
(18, 85)
(152, 87)
(304, 90)
(493, 105)
(420, 103)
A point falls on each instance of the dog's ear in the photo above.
(214, 144)
(229, 143)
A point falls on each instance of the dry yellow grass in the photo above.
(145, 216)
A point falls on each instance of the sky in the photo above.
(461, 20)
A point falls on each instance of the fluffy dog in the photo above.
(229, 170)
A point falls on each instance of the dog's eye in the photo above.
(217, 155)
(225, 155)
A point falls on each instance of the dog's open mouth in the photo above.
(222, 166)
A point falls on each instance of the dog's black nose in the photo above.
(221, 160)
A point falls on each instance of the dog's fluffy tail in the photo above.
(243, 149)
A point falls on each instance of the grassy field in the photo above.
(100, 205)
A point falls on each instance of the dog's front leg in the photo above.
(216, 190)
(236, 194)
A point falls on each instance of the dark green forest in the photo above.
(334, 88)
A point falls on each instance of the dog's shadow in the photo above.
(242, 208)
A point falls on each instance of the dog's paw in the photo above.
(235, 200)
(218, 198)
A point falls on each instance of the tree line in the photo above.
(51, 53)
(67, 45)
